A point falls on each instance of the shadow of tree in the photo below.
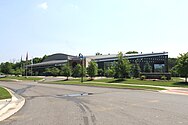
(183, 84)
(89, 79)
(117, 81)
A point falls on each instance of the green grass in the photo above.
(175, 82)
(9, 78)
(4, 94)
(109, 82)
(97, 84)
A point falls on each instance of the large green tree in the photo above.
(77, 71)
(182, 65)
(7, 68)
(122, 67)
(92, 69)
(67, 71)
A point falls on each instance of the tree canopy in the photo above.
(131, 52)
(122, 67)
(182, 65)
(92, 69)
(67, 71)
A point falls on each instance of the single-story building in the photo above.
(158, 61)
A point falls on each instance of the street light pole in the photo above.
(82, 62)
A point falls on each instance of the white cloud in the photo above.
(43, 5)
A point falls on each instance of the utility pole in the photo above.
(26, 65)
(32, 66)
(82, 62)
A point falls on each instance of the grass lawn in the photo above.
(109, 82)
(4, 94)
(19, 78)
(97, 84)
(175, 82)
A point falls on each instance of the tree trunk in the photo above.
(185, 79)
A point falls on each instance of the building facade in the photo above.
(158, 61)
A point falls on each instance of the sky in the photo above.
(42, 27)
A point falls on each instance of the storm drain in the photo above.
(75, 95)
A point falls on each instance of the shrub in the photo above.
(109, 72)
(163, 77)
(143, 77)
(100, 72)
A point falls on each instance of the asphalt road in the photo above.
(55, 105)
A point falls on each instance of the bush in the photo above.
(100, 72)
(163, 77)
(143, 77)
(109, 73)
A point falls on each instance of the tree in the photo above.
(67, 71)
(122, 67)
(92, 69)
(18, 71)
(174, 72)
(47, 72)
(98, 54)
(109, 72)
(136, 70)
(132, 52)
(51, 71)
(100, 72)
(147, 67)
(7, 68)
(171, 63)
(44, 57)
(77, 71)
(37, 60)
(182, 65)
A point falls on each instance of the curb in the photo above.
(13, 106)
(177, 92)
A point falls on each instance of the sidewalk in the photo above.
(10, 106)
(179, 91)
(169, 90)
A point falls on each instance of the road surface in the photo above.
(48, 104)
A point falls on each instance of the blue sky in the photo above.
(88, 26)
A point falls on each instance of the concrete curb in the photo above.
(13, 106)
(176, 92)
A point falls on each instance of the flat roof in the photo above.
(48, 63)
(112, 57)
(100, 58)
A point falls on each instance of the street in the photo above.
(48, 104)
